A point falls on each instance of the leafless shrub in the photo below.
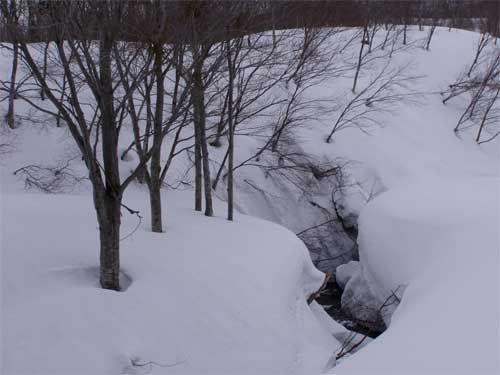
(371, 320)
(481, 82)
(349, 346)
(384, 91)
(50, 179)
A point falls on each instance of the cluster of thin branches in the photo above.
(349, 344)
(480, 84)
(384, 91)
(50, 179)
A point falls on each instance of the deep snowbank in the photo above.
(208, 296)
(440, 239)
(434, 230)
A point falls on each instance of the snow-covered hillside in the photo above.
(213, 297)
(194, 303)
(434, 232)
(440, 240)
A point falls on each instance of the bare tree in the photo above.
(483, 42)
(91, 84)
(432, 29)
(11, 120)
(230, 123)
(151, 96)
(364, 41)
(10, 117)
(388, 88)
(483, 109)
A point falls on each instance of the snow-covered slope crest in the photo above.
(440, 239)
(194, 306)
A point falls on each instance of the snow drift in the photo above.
(194, 305)
(444, 245)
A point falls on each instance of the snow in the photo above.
(213, 297)
(444, 244)
(432, 231)
(345, 272)
(359, 299)
(194, 301)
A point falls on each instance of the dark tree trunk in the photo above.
(63, 90)
(109, 215)
(201, 116)
(197, 166)
(486, 112)
(482, 43)
(155, 183)
(230, 198)
(155, 202)
(360, 57)
(372, 37)
(221, 168)
(429, 37)
(142, 175)
(45, 56)
(201, 148)
(388, 31)
(221, 125)
(207, 185)
(198, 172)
(11, 120)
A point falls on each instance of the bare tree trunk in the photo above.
(360, 58)
(199, 119)
(475, 100)
(197, 145)
(142, 175)
(197, 169)
(221, 168)
(230, 188)
(388, 31)
(372, 36)
(11, 121)
(429, 37)
(207, 185)
(63, 90)
(490, 105)
(108, 216)
(154, 184)
(482, 43)
(462, 118)
(221, 125)
(45, 56)
(155, 203)
(109, 222)
(405, 27)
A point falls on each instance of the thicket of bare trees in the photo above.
(98, 84)
(479, 83)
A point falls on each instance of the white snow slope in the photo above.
(441, 240)
(435, 231)
(211, 297)
(208, 297)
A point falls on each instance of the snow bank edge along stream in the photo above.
(441, 240)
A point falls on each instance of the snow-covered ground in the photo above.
(211, 297)
(435, 231)
(207, 297)
(439, 238)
